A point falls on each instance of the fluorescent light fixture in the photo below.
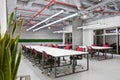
(88, 26)
(94, 26)
(65, 18)
(45, 20)
(81, 27)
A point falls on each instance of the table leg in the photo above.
(98, 55)
(73, 65)
(55, 68)
(105, 54)
(112, 53)
(87, 61)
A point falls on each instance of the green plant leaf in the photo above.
(17, 65)
(9, 60)
(10, 19)
(3, 40)
(7, 65)
(21, 24)
(1, 75)
(14, 27)
(14, 51)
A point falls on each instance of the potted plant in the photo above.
(9, 59)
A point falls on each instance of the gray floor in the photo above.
(99, 70)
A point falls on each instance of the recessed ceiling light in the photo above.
(84, 16)
(99, 0)
(49, 27)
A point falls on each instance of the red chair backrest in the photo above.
(67, 47)
(89, 48)
(45, 55)
(76, 47)
(45, 45)
(23, 47)
(56, 46)
(105, 45)
(93, 44)
(51, 45)
(34, 51)
(40, 44)
(80, 49)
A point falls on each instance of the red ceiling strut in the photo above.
(25, 9)
(50, 3)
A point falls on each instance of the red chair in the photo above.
(106, 45)
(80, 49)
(56, 46)
(37, 56)
(45, 45)
(67, 47)
(48, 61)
(76, 47)
(51, 45)
(93, 44)
(91, 51)
(41, 44)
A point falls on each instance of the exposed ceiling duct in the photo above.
(73, 15)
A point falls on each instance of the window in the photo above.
(111, 31)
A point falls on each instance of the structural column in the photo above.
(77, 35)
(3, 17)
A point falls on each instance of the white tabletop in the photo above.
(101, 47)
(56, 52)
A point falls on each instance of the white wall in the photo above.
(110, 22)
(3, 18)
(68, 28)
(41, 34)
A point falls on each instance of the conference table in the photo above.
(99, 48)
(56, 53)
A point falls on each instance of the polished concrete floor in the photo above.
(99, 70)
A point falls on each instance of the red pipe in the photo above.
(34, 11)
(50, 3)
(25, 10)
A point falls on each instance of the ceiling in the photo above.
(34, 11)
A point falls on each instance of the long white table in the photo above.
(98, 48)
(56, 52)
